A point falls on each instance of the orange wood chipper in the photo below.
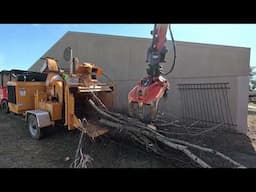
(60, 99)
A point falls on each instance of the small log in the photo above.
(208, 130)
(99, 101)
(166, 142)
(207, 150)
(193, 134)
(105, 114)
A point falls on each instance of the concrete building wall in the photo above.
(123, 59)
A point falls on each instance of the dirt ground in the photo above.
(19, 150)
(57, 149)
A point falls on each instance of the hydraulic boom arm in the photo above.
(157, 51)
(150, 89)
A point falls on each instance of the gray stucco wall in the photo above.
(123, 59)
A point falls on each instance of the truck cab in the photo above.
(4, 78)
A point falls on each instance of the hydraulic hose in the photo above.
(174, 53)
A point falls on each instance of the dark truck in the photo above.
(15, 75)
(252, 96)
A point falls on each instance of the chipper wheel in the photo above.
(34, 130)
(4, 106)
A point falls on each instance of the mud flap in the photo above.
(42, 117)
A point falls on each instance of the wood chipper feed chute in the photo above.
(80, 87)
(80, 114)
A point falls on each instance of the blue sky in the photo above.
(22, 44)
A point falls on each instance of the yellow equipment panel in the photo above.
(55, 110)
(24, 94)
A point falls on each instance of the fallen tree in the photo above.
(145, 134)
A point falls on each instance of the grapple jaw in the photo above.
(143, 99)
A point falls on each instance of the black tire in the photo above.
(34, 130)
(4, 106)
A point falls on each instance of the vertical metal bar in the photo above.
(228, 106)
(185, 101)
(232, 122)
(198, 95)
(182, 100)
(217, 103)
(208, 105)
(195, 102)
(222, 115)
(226, 120)
(214, 107)
(189, 100)
(192, 102)
(205, 103)
(225, 103)
(214, 104)
(202, 103)
(211, 103)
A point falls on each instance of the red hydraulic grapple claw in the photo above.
(143, 99)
